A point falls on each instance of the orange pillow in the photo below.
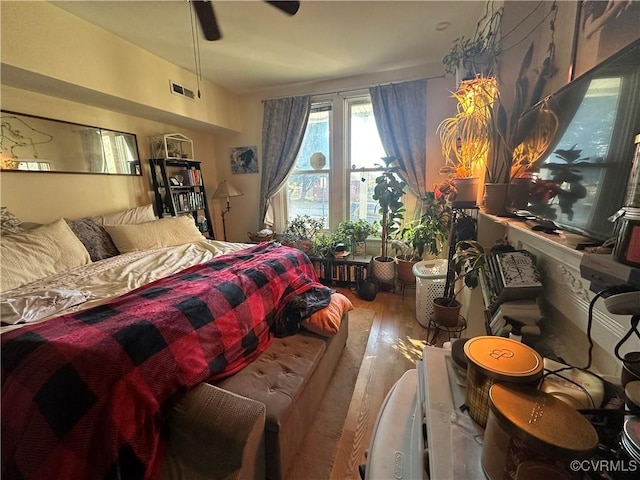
(326, 322)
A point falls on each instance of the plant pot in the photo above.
(360, 248)
(405, 270)
(495, 197)
(384, 269)
(446, 311)
(304, 245)
(519, 189)
(467, 192)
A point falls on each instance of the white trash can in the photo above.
(431, 277)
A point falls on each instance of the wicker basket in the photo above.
(257, 239)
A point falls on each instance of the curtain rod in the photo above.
(353, 89)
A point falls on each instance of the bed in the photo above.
(93, 350)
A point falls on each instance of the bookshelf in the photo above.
(342, 272)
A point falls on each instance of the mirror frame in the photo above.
(7, 158)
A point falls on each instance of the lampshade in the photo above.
(226, 190)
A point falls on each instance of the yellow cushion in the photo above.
(166, 232)
(38, 253)
(326, 322)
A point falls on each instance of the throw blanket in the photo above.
(82, 394)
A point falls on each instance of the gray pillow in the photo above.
(94, 238)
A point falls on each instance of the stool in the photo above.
(454, 330)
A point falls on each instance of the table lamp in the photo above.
(226, 190)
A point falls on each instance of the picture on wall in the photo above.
(603, 29)
(244, 159)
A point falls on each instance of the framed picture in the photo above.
(244, 159)
(602, 29)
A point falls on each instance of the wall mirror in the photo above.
(31, 143)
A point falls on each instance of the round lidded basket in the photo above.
(528, 426)
(493, 359)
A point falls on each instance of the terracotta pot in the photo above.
(446, 311)
(467, 189)
(405, 270)
(495, 197)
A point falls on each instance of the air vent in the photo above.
(178, 89)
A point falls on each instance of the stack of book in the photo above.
(524, 313)
(510, 285)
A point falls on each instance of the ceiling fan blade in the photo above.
(290, 8)
(207, 18)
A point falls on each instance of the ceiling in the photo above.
(263, 48)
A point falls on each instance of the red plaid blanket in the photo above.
(82, 394)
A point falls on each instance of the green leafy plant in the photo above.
(303, 227)
(357, 231)
(324, 245)
(477, 54)
(428, 233)
(388, 193)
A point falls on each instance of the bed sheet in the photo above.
(101, 281)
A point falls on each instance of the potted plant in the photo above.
(465, 137)
(302, 229)
(467, 262)
(357, 233)
(324, 245)
(388, 193)
(426, 234)
(469, 57)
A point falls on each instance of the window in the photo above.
(365, 152)
(308, 186)
(343, 133)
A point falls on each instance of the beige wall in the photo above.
(111, 84)
(43, 44)
(43, 197)
(92, 85)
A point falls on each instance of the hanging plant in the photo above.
(477, 55)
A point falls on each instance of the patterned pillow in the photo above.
(9, 223)
(94, 238)
(327, 321)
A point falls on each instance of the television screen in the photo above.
(586, 132)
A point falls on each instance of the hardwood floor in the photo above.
(395, 343)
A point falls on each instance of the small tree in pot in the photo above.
(424, 235)
(388, 193)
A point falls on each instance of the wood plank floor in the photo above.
(395, 343)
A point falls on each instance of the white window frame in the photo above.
(340, 158)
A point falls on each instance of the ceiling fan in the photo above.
(207, 17)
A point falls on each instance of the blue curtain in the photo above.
(400, 110)
(283, 126)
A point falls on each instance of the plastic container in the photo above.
(531, 434)
(632, 194)
(431, 277)
(496, 359)
(627, 249)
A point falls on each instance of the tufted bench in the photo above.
(290, 379)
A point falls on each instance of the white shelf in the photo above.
(173, 146)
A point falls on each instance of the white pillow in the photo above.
(166, 232)
(130, 216)
(44, 251)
